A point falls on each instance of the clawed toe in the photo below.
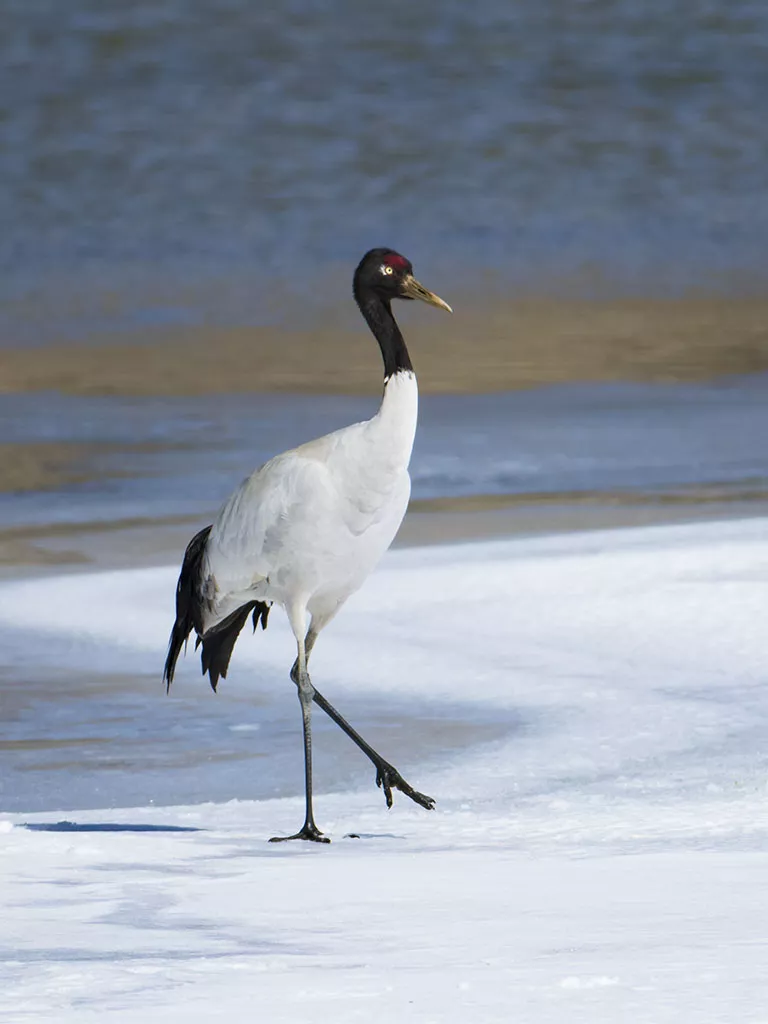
(384, 781)
(388, 777)
(310, 833)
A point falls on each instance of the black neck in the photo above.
(378, 316)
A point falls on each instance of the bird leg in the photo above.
(309, 829)
(387, 776)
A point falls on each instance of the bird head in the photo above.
(390, 275)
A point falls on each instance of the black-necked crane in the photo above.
(306, 529)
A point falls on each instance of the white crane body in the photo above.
(306, 529)
(310, 525)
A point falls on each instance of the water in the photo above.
(172, 164)
(558, 440)
(168, 163)
(74, 737)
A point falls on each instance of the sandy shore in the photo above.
(501, 346)
(48, 465)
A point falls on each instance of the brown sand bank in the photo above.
(47, 465)
(503, 346)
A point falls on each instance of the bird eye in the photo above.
(386, 269)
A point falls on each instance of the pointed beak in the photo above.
(413, 290)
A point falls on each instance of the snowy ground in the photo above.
(607, 860)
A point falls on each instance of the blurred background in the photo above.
(186, 189)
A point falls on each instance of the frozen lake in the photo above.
(602, 857)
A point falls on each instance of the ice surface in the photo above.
(606, 860)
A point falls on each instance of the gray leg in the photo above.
(309, 829)
(387, 776)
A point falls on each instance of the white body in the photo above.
(307, 528)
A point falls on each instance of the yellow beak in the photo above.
(414, 290)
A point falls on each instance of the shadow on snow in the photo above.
(106, 826)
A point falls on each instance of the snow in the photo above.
(606, 860)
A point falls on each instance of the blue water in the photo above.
(172, 163)
(549, 440)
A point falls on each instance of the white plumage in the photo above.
(306, 529)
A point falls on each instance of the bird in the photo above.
(306, 529)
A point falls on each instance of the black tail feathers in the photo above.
(186, 602)
(217, 642)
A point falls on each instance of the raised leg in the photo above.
(387, 776)
(309, 829)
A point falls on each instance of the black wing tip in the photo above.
(186, 598)
(260, 611)
(175, 644)
(218, 642)
(213, 676)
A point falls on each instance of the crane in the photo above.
(306, 529)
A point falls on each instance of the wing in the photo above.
(296, 516)
(269, 513)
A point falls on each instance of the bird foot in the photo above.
(310, 832)
(388, 777)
